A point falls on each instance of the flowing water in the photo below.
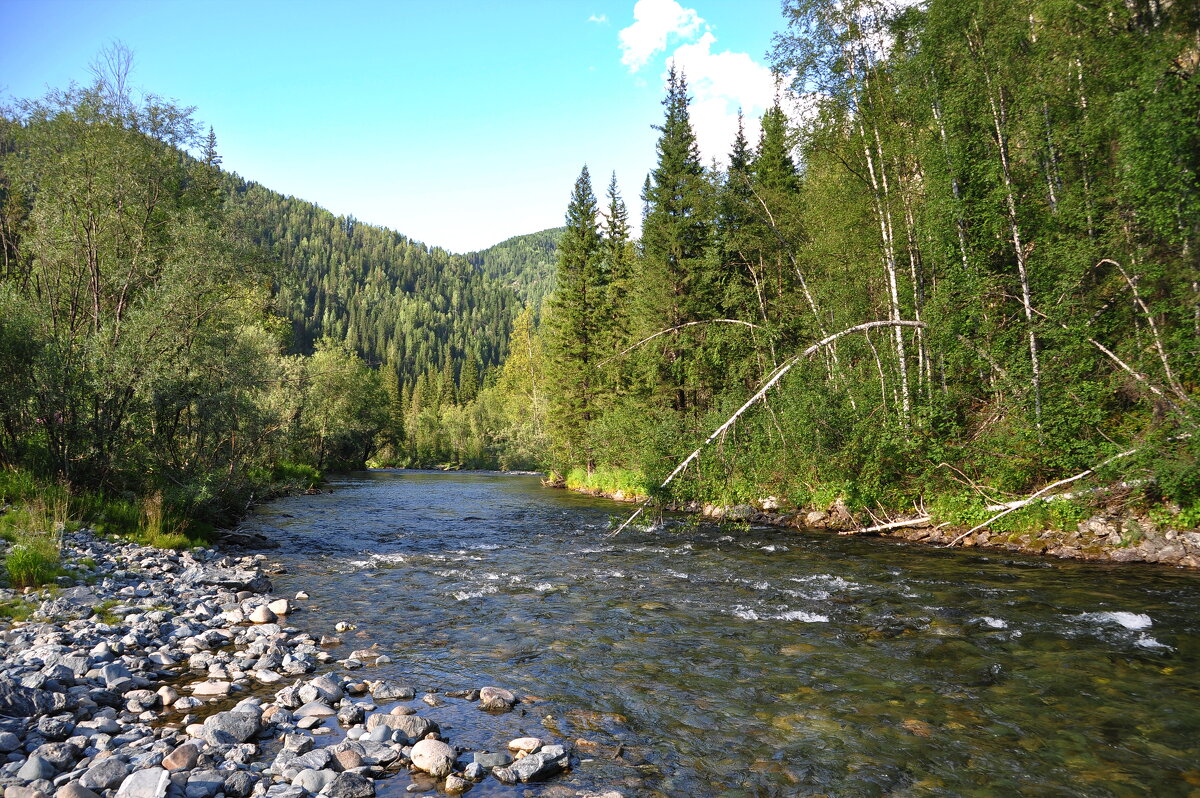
(695, 660)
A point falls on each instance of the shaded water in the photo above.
(754, 662)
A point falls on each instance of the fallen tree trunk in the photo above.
(884, 527)
(774, 377)
(1014, 506)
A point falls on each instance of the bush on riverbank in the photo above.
(608, 481)
(39, 511)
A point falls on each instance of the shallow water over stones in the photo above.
(686, 660)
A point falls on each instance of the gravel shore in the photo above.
(162, 674)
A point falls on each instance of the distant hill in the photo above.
(523, 263)
(391, 298)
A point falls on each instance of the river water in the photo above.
(696, 660)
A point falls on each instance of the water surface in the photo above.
(697, 660)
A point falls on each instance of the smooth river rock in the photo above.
(413, 726)
(496, 699)
(350, 785)
(183, 757)
(148, 783)
(550, 760)
(434, 757)
(105, 774)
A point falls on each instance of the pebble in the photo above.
(525, 745)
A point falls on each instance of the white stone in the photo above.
(434, 757)
(148, 783)
(210, 688)
(525, 744)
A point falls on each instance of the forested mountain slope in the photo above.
(394, 300)
(524, 263)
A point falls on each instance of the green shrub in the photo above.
(608, 481)
(33, 560)
(17, 485)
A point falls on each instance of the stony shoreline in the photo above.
(155, 677)
(1118, 537)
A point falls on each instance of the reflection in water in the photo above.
(705, 661)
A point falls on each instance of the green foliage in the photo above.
(525, 263)
(608, 481)
(16, 609)
(17, 485)
(34, 557)
(1013, 178)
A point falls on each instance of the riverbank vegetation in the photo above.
(958, 265)
(172, 351)
(1011, 191)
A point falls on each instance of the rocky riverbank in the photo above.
(160, 674)
(1119, 536)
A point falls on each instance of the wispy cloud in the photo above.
(653, 22)
(720, 81)
(599, 19)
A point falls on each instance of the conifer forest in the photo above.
(960, 263)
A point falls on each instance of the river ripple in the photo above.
(754, 662)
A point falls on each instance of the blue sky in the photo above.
(456, 123)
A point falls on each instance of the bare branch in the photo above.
(774, 377)
(894, 525)
(1137, 375)
(673, 329)
(1017, 505)
(1176, 388)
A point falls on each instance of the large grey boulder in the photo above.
(323, 688)
(414, 727)
(227, 728)
(350, 785)
(239, 784)
(204, 783)
(26, 702)
(389, 690)
(36, 767)
(314, 780)
(232, 578)
(496, 699)
(104, 774)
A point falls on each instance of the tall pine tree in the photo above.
(578, 321)
(675, 236)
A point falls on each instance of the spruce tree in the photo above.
(577, 324)
(619, 257)
(675, 236)
(773, 166)
(468, 380)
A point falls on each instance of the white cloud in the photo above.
(599, 19)
(655, 21)
(720, 83)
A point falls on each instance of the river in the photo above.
(698, 660)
